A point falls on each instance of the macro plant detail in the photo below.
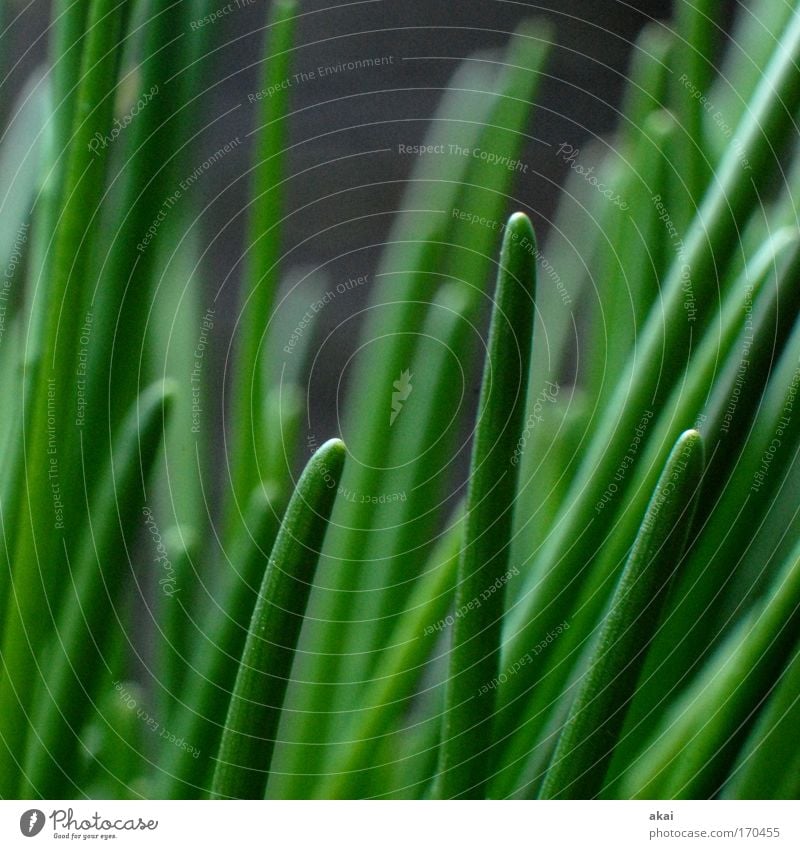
(547, 544)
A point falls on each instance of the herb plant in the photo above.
(556, 554)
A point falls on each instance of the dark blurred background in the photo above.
(339, 118)
(586, 73)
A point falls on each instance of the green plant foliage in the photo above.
(593, 726)
(558, 557)
(483, 572)
(245, 750)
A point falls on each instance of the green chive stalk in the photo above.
(264, 231)
(659, 359)
(218, 633)
(761, 290)
(420, 457)
(76, 663)
(479, 111)
(386, 694)
(695, 744)
(755, 775)
(587, 742)
(50, 450)
(245, 751)
(483, 571)
(146, 185)
(697, 33)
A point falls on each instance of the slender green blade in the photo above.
(587, 742)
(475, 649)
(245, 751)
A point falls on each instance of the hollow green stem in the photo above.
(587, 742)
(475, 649)
(481, 110)
(653, 368)
(773, 736)
(77, 663)
(399, 668)
(264, 232)
(759, 290)
(695, 744)
(50, 450)
(219, 632)
(245, 751)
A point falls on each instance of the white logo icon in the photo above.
(403, 389)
